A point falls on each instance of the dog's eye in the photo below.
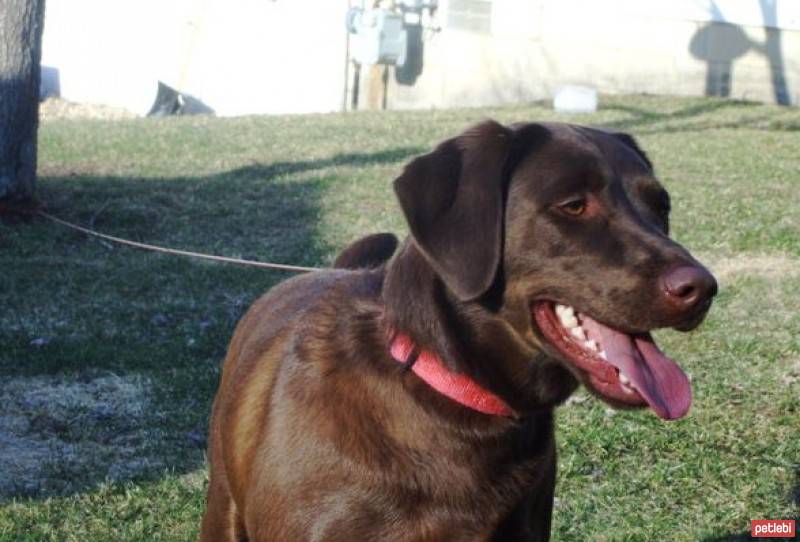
(573, 207)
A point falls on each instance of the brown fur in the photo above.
(317, 434)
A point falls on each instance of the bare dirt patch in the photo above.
(59, 434)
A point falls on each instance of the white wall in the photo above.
(288, 56)
(658, 46)
(237, 56)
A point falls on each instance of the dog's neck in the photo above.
(456, 386)
(470, 338)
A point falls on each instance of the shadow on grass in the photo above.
(111, 356)
(688, 119)
(732, 537)
(745, 535)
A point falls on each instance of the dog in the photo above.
(410, 395)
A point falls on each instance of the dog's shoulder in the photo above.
(356, 278)
(315, 301)
(305, 295)
(314, 319)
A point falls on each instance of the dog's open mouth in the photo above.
(624, 368)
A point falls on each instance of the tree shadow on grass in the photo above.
(111, 356)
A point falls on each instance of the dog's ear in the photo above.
(452, 199)
(628, 140)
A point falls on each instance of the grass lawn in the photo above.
(109, 357)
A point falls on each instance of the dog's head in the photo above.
(570, 226)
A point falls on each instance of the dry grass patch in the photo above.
(59, 434)
(773, 266)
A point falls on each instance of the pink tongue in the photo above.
(657, 378)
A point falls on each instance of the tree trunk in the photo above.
(21, 24)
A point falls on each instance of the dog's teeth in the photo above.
(566, 315)
(591, 345)
(578, 333)
(604, 355)
(564, 310)
(625, 383)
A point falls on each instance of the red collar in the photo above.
(458, 387)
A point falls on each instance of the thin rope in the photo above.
(154, 248)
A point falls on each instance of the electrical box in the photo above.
(378, 36)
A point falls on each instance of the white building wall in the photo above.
(289, 56)
(531, 47)
(237, 56)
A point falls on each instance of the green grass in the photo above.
(110, 356)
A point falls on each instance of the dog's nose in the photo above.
(688, 286)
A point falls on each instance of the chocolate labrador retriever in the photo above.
(412, 398)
